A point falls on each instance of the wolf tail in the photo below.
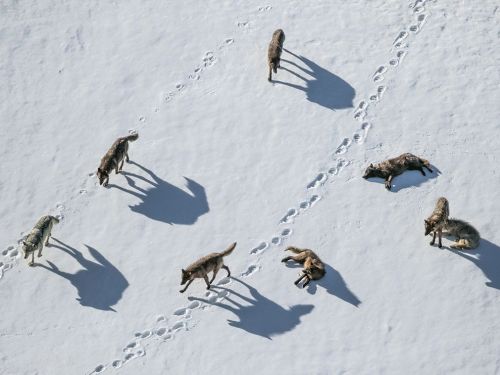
(295, 250)
(132, 137)
(229, 250)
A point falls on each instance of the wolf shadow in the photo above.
(321, 86)
(257, 314)
(486, 257)
(332, 282)
(99, 284)
(165, 202)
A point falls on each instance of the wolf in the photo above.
(394, 167)
(39, 236)
(274, 52)
(115, 155)
(437, 220)
(211, 262)
(467, 236)
(314, 268)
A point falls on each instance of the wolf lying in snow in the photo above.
(314, 268)
(115, 155)
(274, 52)
(211, 262)
(438, 220)
(394, 167)
(39, 236)
(467, 236)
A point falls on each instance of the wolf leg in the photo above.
(227, 269)
(421, 170)
(388, 182)
(40, 251)
(440, 234)
(300, 279)
(308, 280)
(433, 238)
(213, 276)
(269, 76)
(127, 159)
(32, 259)
(188, 284)
(121, 165)
(206, 280)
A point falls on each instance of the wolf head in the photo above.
(429, 226)
(102, 175)
(186, 275)
(372, 171)
(27, 248)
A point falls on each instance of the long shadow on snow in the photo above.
(260, 316)
(100, 285)
(408, 179)
(487, 258)
(321, 87)
(164, 201)
(333, 283)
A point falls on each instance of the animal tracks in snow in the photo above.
(165, 331)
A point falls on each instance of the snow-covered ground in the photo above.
(224, 156)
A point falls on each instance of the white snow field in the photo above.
(223, 156)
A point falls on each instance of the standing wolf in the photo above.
(438, 219)
(211, 262)
(274, 52)
(115, 155)
(39, 236)
(467, 236)
(314, 268)
(394, 167)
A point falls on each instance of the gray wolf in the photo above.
(314, 268)
(274, 52)
(391, 168)
(115, 155)
(39, 236)
(467, 236)
(437, 220)
(200, 269)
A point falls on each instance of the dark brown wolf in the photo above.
(114, 158)
(394, 167)
(200, 269)
(314, 268)
(438, 219)
(274, 52)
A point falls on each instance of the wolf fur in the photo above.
(114, 158)
(200, 269)
(39, 236)
(274, 52)
(437, 220)
(391, 168)
(314, 268)
(467, 236)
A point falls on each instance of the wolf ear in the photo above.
(426, 221)
(183, 270)
(371, 165)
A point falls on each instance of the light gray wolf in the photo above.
(314, 268)
(200, 269)
(115, 155)
(467, 237)
(391, 168)
(274, 52)
(437, 220)
(39, 236)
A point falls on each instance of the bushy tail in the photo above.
(229, 250)
(295, 250)
(132, 137)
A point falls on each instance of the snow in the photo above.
(223, 155)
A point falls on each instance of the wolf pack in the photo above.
(439, 222)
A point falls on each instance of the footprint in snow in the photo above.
(250, 270)
(262, 246)
(402, 36)
(318, 181)
(343, 147)
(291, 213)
